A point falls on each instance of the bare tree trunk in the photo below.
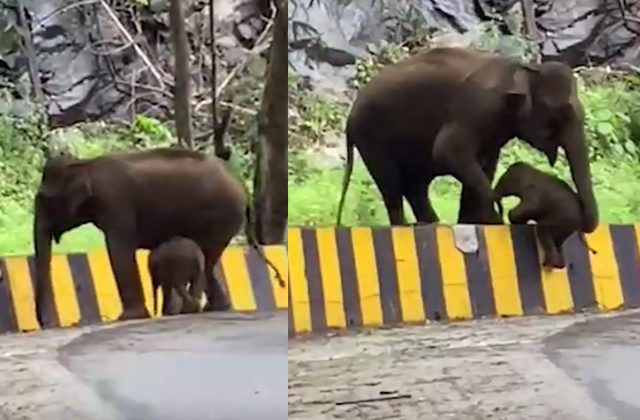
(34, 75)
(182, 97)
(270, 200)
(528, 12)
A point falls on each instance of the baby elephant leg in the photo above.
(552, 252)
(189, 304)
(168, 300)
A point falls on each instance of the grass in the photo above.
(313, 200)
(612, 125)
(20, 176)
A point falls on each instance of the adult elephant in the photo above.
(139, 200)
(449, 111)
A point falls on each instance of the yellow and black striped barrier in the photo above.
(343, 277)
(85, 291)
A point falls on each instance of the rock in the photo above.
(79, 86)
(326, 36)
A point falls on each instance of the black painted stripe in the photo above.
(314, 280)
(478, 278)
(528, 269)
(53, 316)
(387, 275)
(8, 320)
(430, 272)
(260, 281)
(348, 274)
(85, 289)
(579, 272)
(625, 247)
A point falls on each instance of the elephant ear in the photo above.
(67, 181)
(499, 78)
(78, 188)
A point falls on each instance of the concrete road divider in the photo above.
(85, 291)
(355, 277)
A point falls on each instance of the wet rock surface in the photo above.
(327, 36)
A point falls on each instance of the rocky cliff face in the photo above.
(328, 35)
(89, 68)
(87, 64)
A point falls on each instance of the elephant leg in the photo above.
(387, 178)
(189, 305)
(393, 202)
(523, 212)
(167, 299)
(548, 248)
(196, 290)
(217, 299)
(122, 255)
(560, 261)
(469, 213)
(551, 248)
(154, 290)
(418, 197)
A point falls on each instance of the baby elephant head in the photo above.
(513, 180)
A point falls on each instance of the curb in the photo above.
(85, 291)
(345, 278)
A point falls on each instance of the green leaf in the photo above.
(605, 128)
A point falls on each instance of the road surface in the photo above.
(199, 367)
(578, 367)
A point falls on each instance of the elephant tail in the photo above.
(498, 201)
(583, 239)
(251, 239)
(347, 176)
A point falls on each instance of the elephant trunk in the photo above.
(42, 238)
(575, 145)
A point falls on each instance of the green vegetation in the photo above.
(613, 126)
(612, 105)
(21, 157)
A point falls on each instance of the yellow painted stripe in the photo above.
(299, 291)
(278, 256)
(555, 287)
(105, 285)
(22, 293)
(234, 265)
(454, 276)
(503, 271)
(330, 277)
(142, 257)
(367, 276)
(408, 272)
(64, 291)
(604, 269)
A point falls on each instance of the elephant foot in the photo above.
(134, 313)
(554, 261)
(46, 318)
(190, 308)
(46, 323)
(217, 306)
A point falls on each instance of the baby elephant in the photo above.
(174, 264)
(547, 200)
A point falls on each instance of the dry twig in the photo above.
(135, 45)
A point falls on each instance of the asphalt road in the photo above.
(198, 367)
(228, 367)
(579, 367)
